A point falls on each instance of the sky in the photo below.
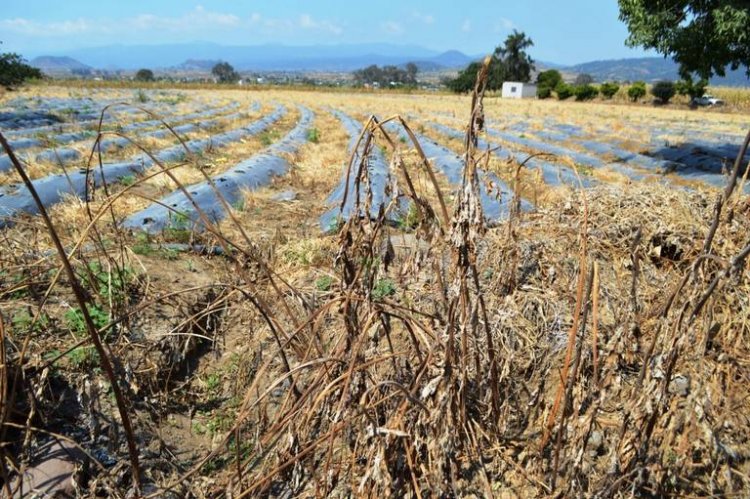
(564, 32)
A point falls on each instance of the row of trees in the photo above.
(387, 76)
(509, 62)
(222, 71)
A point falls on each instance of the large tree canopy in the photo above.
(703, 36)
(225, 73)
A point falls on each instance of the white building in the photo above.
(518, 90)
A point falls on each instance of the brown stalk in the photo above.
(90, 327)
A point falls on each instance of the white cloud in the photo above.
(466, 26)
(504, 24)
(392, 27)
(425, 18)
(199, 20)
(306, 21)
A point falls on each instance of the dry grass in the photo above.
(595, 347)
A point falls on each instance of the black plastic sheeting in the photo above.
(495, 195)
(178, 211)
(379, 175)
(16, 199)
(552, 174)
(107, 143)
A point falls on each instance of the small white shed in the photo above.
(518, 90)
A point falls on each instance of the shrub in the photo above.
(144, 75)
(609, 90)
(543, 92)
(663, 91)
(585, 92)
(313, 135)
(692, 89)
(563, 91)
(637, 91)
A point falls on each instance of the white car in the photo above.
(708, 100)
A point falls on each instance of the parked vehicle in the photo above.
(708, 100)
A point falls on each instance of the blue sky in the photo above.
(566, 32)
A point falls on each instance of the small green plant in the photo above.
(76, 323)
(213, 382)
(23, 323)
(313, 135)
(323, 283)
(409, 220)
(269, 137)
(127, 180)
(142, 97)
(383, 287)
(111, 285)
(83, 357)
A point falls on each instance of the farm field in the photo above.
(278, 324)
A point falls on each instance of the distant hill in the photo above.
(648, 69)
(58, 65)
(197, 65)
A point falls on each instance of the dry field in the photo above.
(231, 293)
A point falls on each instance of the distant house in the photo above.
(518, 90)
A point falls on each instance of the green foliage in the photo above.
(77, 324)
(268, 137)
(313, 135)
(564, 91)
(703, 37)
(637, 91)
(383, 288)
(387, 76)
(663, 91)
(14, 71)
(111, 285)
(609, 90)
(23, 323)
(546, 82)
(83, 357)
(585, 92)
(410, 219)
(324, 283)
(127, 180)
(144, 75)
(509, 62)
(225, 73)
(690, 88)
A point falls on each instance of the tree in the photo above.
(225, 73)
(663, 91)
(703, 36)
(465, 80)
(387, 76)
(637, 91)
(144, 75)
(14, 70)
(584, 79)
(690, 88)
(514, 63)
(549, 78)
(411, 73)
(609, 90)
(509, 62)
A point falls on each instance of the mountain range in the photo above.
(201, 56)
